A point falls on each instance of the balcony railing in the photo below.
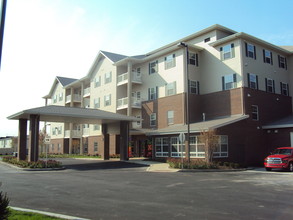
(86, 131)
(87, 92)
(123, 103)
(75, 133)
(123, 78)
(76, 98)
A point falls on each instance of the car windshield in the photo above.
(283, 151)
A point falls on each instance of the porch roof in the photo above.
(286, 122)
(199, 126)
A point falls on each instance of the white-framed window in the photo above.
(193, 87)
(254, 112)
(60, 96)
(170, 117)
(153, 93)
(55, 98)
(153, 67)
(267, 56)
(227, 52)
(107, 100)
(284, 88)
(170, 61)
(270, 85)
(95, 146)
(59, 130)
(177, 148)
(162, 147)
(193, 59)
(229, 81)
(222, 148)
(97, 103)
(97, 81)
(250, 50)
(282, 62)
(196, 147)
(108, 77)
(170, 88)
(153, 119)
(97, 127)
(59, 147)
(252, 81)
(52, 147)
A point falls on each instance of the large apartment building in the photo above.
(213, 79)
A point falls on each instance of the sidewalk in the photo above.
(154, 166)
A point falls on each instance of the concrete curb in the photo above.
(48, 213)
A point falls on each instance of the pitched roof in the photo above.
(113, 56)
(64, 80)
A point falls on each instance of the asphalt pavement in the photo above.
(122, 190)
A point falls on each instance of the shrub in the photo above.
(4, 202)
(38, 164)
(194, 164)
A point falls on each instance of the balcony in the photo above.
(123, 78)
(76, 98)
(86, 131)
(75, 134)
(87, 92)
(123, 103)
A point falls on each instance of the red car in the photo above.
(281, 158)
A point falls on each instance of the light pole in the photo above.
(183, 44)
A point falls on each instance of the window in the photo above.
(97, 81)
(170, 117)
(108, 77)
(107, 100)
(254, 112)
(52, 147)
(95, 146)
(250, 50)
(59, 147)
(170, 61)
(59, 130)
(196, 147)
(227, 51)
(194, 87)
(61, 96)
(222, 148)
(207, 39)
(193, 59)
(177, 149)
(284, 88)
(270, 85)
(97, 103)
(229, 81)
(170, 89)
(282, 62)
(153, 119)
(268, 56)
(97, 127)
(162, 147)
(138, 123)
(55, 99)
(153, 93)
(153, 67)
(252, 81)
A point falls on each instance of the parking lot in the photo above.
(120, 190)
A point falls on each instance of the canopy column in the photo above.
(124, 138)
(106, 141)
(22, 131)
(34, 138)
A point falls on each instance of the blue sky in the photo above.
(48, 38)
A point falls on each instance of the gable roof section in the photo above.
(114, 57)
(64, 80)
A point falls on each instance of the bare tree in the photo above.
(42, 137)
(211, 142)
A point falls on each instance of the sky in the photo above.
(48, 38)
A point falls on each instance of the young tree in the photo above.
(42, 137)
(211, 142)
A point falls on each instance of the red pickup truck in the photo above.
(281, 158)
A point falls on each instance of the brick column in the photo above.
(106, 142)
(22, 130)
(124, 137)
(34, 138)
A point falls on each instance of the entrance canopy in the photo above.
(54, 113)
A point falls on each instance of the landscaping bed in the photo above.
(27, 164)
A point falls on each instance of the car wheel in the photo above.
(291, 167)
(268, 169)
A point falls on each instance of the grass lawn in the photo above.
(19, 215)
